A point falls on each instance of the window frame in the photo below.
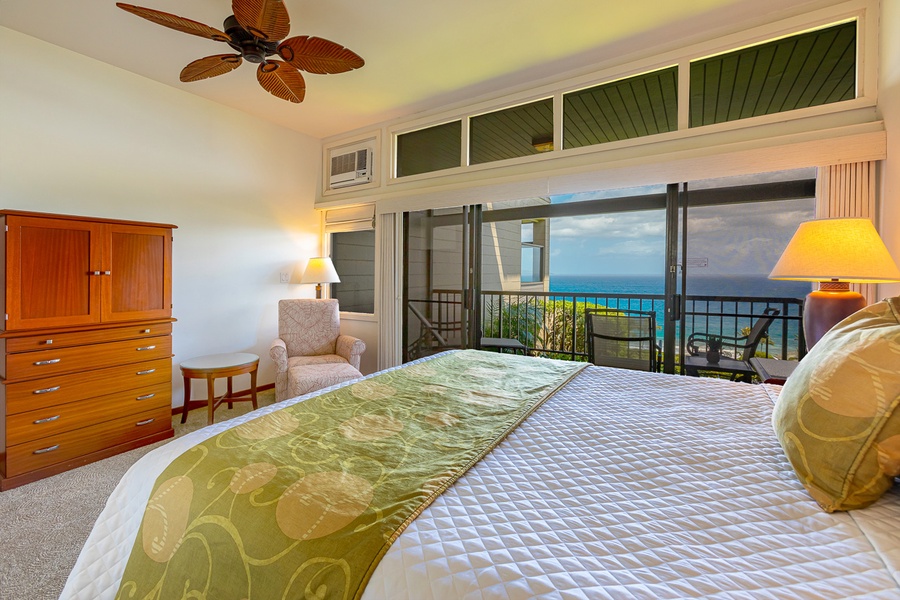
(360, 218)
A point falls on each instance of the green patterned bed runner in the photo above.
(304, 502)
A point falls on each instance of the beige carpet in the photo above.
(44, 524)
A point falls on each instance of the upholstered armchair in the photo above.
(310, 352)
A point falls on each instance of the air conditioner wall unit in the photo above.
(351, 168)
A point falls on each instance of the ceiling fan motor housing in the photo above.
(252, 48)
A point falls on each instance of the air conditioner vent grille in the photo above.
(343, 163)
(351, 168)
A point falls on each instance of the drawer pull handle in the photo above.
(107, 272)
(145, 422)
(145, 396)
(146, 348)
(48, 342)
(147, 372)
(145, 331)
(41, 363)
(95, 272)
(46, 390)
(47, 420)
(47, 449)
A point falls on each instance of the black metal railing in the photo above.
(552, 323)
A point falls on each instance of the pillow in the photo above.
(837, 417)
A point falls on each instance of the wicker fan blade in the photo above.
(175, 22)
(317, 55)
(282, 80)
(266, 19)
(210, 66)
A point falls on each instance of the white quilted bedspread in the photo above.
(623, 485)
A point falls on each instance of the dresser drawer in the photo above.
(52, 391)
(44, 452)
(49, 341)
(37, 424)
(33, 365)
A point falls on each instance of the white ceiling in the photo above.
(420, 54)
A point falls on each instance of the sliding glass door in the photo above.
(442, 280)
(733, 230)
(519, 275)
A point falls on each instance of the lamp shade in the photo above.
(835, 252)
(840, 250)
(320, 270)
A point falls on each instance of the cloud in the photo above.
(738, 238)
(619, 225)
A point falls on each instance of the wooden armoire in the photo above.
(86, 344)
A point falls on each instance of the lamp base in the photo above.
(318, 291)
(825, 308)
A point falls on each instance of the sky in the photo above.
(722, 240)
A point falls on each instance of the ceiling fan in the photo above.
(257, 30)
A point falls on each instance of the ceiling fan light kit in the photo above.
(257, 30)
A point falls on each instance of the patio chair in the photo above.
(622, 338)
(736, 351)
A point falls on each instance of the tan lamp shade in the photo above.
(320, 270)
(835, 252)
(839, 250)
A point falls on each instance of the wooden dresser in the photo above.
(86, 344)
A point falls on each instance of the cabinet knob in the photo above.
(145, 331)
(52, 361)
(48, 342)
(107, 272)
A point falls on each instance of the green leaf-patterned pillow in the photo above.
(837, 417)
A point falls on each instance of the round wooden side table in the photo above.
(214, 366)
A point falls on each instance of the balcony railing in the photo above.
(552, 323)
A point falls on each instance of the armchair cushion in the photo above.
(306, 378)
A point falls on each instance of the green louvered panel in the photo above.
(432, 149)
(628, 108)
(510, 132)
(810, 69)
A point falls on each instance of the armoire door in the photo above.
(137, 282)
(53, 271)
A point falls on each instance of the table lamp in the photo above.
(836, 253)
(320, 270)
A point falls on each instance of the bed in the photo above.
(622, 484)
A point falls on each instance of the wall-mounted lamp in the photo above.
(320, 270)
(836, 253)
(542, 143)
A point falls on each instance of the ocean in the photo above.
(744, 286)
(739, 286)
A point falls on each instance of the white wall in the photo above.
(889, 106)
(80, 137)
